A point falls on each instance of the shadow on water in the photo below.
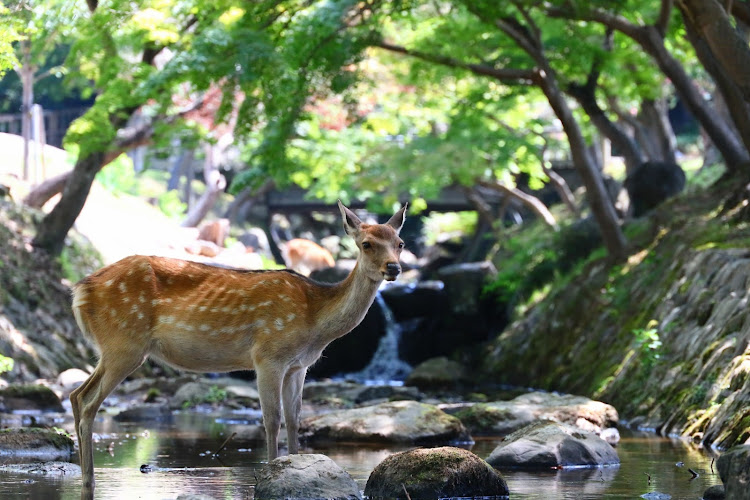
(180, 455)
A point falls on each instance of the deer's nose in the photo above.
(392, 269)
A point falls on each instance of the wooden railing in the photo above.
(56, 123)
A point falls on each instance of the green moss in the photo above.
(15, 438)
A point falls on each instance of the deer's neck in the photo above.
(347, 304)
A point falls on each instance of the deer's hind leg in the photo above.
(270, 380)
(86, 400)
(292, 395)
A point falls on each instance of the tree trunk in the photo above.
(42, 193)
(601, 206)
(215, 184)
(731, 149)
(658, 131)
(563, 190)
(632, 154)
(54, 227)
(26, 75)
(735, 102)
(652, 41)
(732, 53)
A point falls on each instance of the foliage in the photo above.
(527, 261)
(649, 344)
(214, 395)
(6, 364)
(437, 224)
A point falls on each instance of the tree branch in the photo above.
(662, 24)
(510, 75)
(532, 202)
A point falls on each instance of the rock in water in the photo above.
(393, 422)
(305, 477)
(44, 444)
(435, 473)
(550, 445)
(734, 470)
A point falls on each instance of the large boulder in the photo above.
(43, 444)
(29, 397)
(545, 445)
(305, 477)
(503, 417)
(651, 183)
(734, 470)
(393, 422)
(437, 373)
(435, 473)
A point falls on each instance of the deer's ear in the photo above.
(351, 221)
(397, 221)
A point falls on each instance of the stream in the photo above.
(180, 455)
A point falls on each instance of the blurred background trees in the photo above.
(392, 100)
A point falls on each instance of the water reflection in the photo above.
(180, 454)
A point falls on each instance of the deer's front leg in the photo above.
(269, 380)
(292, 393)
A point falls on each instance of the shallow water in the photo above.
(180, 454)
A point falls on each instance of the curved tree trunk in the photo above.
(54, 226)
(711, 21)
(736, 103)
(42, 193)
(652, 41)
(215, 184)
(596, 193)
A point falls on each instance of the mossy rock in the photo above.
(45, 444)
(29, 397)
(392, 422)
(435, 473)
(437, 373)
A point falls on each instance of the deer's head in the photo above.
(379, 244)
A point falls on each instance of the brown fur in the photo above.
(210, 319)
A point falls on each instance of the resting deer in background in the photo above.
(208, 319)
(305, 256)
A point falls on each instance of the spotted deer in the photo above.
(305, 256)
(208, 319)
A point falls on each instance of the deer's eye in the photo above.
(401, 245)
(366, 245)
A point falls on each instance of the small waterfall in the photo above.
(385, 367)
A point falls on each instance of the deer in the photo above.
(305, 256)
(202, 318)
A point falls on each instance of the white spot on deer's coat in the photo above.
(142, 298)
(291, 316)
(278, 323)
(122, 287)
(108, 283)
(204, 327)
